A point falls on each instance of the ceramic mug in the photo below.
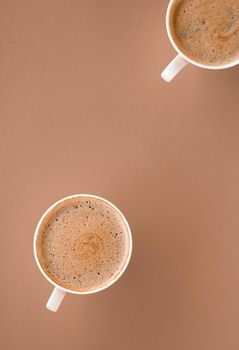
(181, 60)
(58, 291)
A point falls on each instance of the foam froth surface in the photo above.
(207, 31)
(83, 243)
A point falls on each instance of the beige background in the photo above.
(83, 110)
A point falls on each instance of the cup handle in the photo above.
(55, 299)
(174, 67)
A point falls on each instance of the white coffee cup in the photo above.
(181, 60)
(59, 292)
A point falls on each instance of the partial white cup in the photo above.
(181, 60)
(58, 291)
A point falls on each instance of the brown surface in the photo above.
(83, 109)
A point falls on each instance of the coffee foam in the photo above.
(83, 244)
(207, 31)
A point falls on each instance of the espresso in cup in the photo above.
(83, 244)
(206, 31)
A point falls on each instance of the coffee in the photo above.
(83, 243)
(207, 31)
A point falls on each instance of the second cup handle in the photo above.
(55, 299)
(174, 67)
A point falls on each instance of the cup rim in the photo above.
(195, 63)
(37, 231)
